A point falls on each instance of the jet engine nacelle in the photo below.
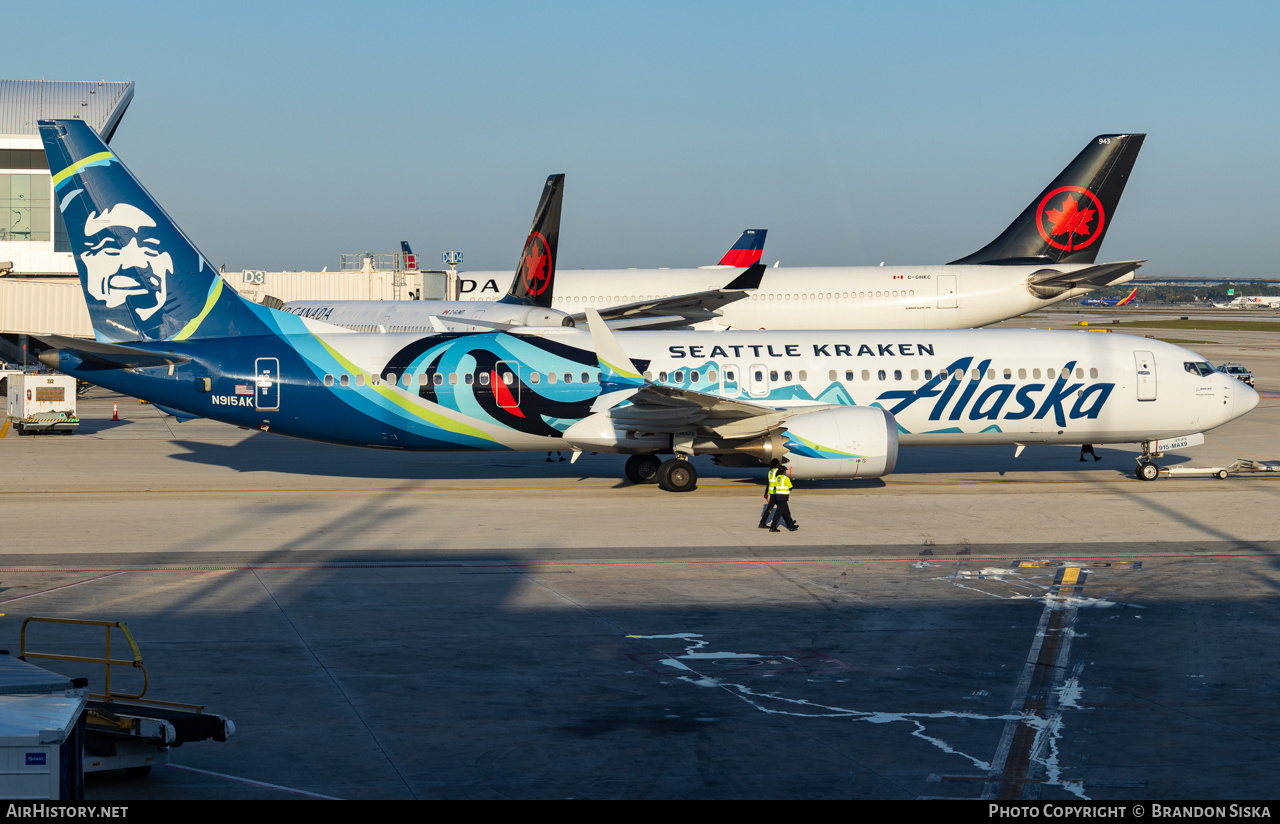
(532, 316)
(848, 442)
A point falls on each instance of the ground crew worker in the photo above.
(782, 494)
(769, 503)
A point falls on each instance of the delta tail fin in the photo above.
(534, 282)
(1068, 220)
(143, 279)
(407, 258)
(747, 251)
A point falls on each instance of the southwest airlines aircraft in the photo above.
(832, 404)
(1045, 256)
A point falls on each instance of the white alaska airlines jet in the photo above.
(1045, 256)
(832, 404)
(528, 301)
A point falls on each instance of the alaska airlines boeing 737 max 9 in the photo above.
(833, 404)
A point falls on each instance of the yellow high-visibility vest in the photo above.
(773, 480)
(782, 484)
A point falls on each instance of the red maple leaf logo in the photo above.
(1071, 219)
(536, 266)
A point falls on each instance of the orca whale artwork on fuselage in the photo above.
(832, 404)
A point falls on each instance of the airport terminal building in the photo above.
(39, 286)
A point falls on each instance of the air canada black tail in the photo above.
(1068, 220)
(535, 276)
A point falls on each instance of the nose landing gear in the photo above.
(1147, 470)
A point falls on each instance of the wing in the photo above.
(679, 310)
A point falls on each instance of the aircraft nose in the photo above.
(1246, 398)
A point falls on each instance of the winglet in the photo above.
(749, 279)
(617, 372)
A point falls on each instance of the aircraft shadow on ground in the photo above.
(273, 453)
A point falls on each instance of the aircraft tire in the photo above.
(643, 469)
(676, 475)
(1221, 474)
(1147, 471)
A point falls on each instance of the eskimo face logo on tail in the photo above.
(126, 264)
(1070, 218)
(535, 265)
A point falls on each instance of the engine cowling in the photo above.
(536, 316)
(848, 442)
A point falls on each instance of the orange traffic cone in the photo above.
(115, 412)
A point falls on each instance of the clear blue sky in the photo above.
(281, 134)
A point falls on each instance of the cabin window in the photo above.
(1050, 374)
(1008, 374)
(1022, 374)
(344, 380)
(693, 376)
(881, 374)
(359, 380)
(453, 378)
(943, 374)
(711, 376)
(648, 376)
(1035, 374)
(848, 375)
(391, 378)
(484, 378)
(831, 375)
(328, 380)
(508, 378)
(1093, 373)
(568, 377)
(534, 378)
(991, 374)
(866, 374)
(662, 377)
(773, 375)
(438, 379)
(915, 374)
(1079, 372)
(551, 378)
(759, 376)
(804, 376)
(897, 374)
(586, 377)
(786, 376)
(679, 376)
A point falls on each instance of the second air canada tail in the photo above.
(535, 276)
(1067, 222)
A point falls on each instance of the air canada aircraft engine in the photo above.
(847, 442)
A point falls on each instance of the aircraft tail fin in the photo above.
(1129, 298)
(533, 284)
(407, 257)
(1067, 222)
(143, 279)
(747, 251)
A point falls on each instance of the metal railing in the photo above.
(106, 660)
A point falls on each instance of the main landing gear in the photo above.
(1147, 469)
(674, 475)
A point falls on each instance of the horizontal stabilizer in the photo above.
(109, 355)
(1049, 283)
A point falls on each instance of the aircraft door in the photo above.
(1145, 364)
(729, 381)
(947, 292)
(506, 384)
(758, 380)
(266, 380)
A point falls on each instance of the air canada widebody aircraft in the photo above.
(528, 301)
(1045, 256)
(832, 404)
